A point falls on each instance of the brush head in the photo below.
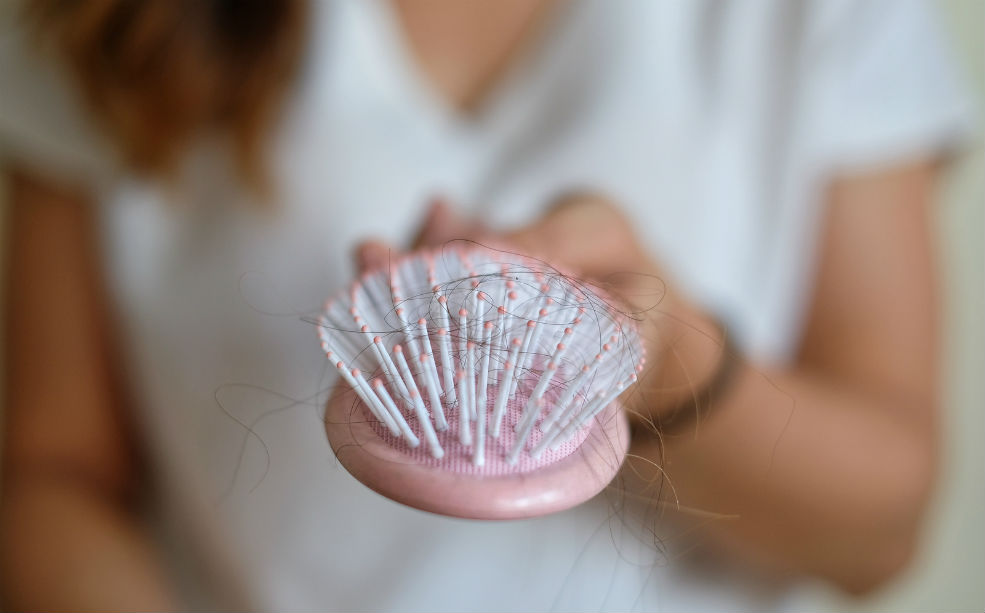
(481, 384)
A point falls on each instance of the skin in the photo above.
(70, 530)
(836, 486)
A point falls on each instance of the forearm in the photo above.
(820, 477)
(68, 546)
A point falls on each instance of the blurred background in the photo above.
(948, 574)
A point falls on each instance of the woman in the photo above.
(773, 163)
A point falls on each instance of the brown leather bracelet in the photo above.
(701, 402)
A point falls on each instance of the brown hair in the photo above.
(156, 73)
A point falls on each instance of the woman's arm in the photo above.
(71, 537)
(827, 466)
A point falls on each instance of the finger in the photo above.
(443, 223)
(585, 231)
(372, 255)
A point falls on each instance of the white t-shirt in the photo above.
(715, 125)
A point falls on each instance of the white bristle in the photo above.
(426, 349)
(513, 381)
(390, 369)
(434, 394)
(505, 383)
(463, 335)
(532, 351)
(470, 381)
(464, 428)
(446, 363)
(384, 396)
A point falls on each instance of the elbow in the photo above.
(880, 568)
(890, 534)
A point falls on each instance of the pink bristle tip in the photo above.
(422, 322)
(423, 358)
(510, 284)
(543, 312)
(339, 365)
(377, 339)
(488, 325)
(531, 324)
(442, 331)
(475, 284)
(399, 311)
(355, 372)
(470, 345)
(512, 295)
(549, 300)
(398, 349)
(483, 296)
(584, 368)
(606, 347)
(377, 382)
(352, 310)
(462, 312)
(567, 330)
(364, 329)
(560, 346)
(502, 310)
(442, 299)
(517, 341)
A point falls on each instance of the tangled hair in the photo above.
(157, 73)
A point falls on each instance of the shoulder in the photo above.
(44, 125)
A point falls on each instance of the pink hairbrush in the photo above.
(487, 384)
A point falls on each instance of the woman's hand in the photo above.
(586, 235)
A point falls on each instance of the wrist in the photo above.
(693, 359)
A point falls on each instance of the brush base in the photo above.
(554, 487)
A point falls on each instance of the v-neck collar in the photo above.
(508, 94)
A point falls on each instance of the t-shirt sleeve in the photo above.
(43, 125)
(887, 88)
(877, 87)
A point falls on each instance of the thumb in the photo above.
(372, 255)
(443, 223)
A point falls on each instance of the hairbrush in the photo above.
(484, 384)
